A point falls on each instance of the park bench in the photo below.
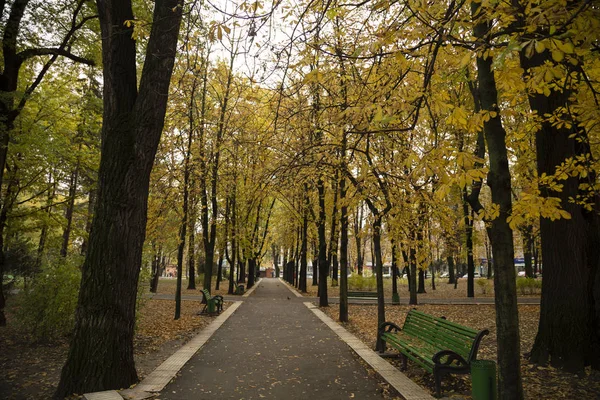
(359, 294)
(212, 304)
(439, 346)
(239, 288)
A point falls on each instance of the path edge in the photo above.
(408, 389)
(165, 372)
(292, 289)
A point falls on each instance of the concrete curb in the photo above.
(293, 290)
(407, 388)
(249, 292)
(164, 373)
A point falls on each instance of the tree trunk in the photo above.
(379, 273)
(421, 281)
(343, 249)
(88, 222)
(251, 271)
(69, 211)
(412, 276)
(44, 232)
(191, 258)
(323, 266)
(451, 274)
(155, 269)
(527, 236)
(101, 352)
(507, 317)
(219, 269)
(185, 212)
(395, 294)
(333, 236)
(360, 255)
(468, 220)
(569, 330)
(304, 246)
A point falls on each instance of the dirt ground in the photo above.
(30, 370)
(539, 382)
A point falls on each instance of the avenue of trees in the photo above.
(137, 132)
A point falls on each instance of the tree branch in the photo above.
(43, 51)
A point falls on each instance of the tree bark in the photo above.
(507, 317)
(379, 272)
(323, 266)
(101, 352)
(304, 245)
(569, 330)
(360, 255)
(468, 220)
(69, 211)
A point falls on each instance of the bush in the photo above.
(358, 282)
(47, 306)
(483, 284)
(529, 286)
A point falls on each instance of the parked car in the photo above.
(445, 275)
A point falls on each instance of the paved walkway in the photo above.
(273, 347)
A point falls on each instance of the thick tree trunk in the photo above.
(569, 329)
(101, 352)
(507, 318)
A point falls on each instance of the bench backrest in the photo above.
(206, 294)
(444, 334)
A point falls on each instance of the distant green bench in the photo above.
(212, 304)
(359, 294)
(439, 346)
(239, 288)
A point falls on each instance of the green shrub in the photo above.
(483, 284)
(358, 282)
(529, 286)
(47, 306)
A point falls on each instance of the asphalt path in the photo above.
(273, 347)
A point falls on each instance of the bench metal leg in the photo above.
(438, 383)
(404, 362)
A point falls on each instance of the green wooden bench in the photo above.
(439, 346)
(212, 304)
(239, 288)
(359, 294)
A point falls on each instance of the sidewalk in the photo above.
(273, 347)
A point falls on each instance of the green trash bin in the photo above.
(483, 379)
(211, 307)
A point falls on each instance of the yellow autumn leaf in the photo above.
(557, 55)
